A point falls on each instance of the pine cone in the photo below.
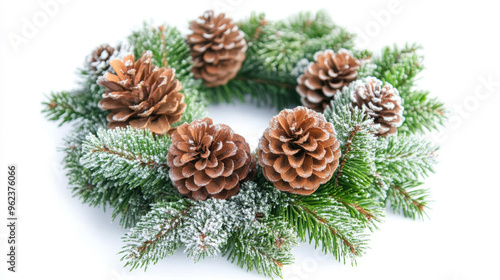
(208, 160)
(98, 60)
(142, 95)
(217, 48)
(323, 78)
(298, 151)
(382, 103)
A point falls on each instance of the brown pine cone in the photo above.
(142, 95)
(299, 151)
(382, 103)
(208, 160)
(323, 78)
(98, 60)
(217, 48)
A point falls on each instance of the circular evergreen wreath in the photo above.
(323, 172)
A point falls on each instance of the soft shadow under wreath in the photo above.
(324, 172)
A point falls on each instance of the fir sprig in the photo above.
(326, 223)
(167, 45)
(156, 236)
(399, 66)
(135, 158)
(408, 198)
(422, 113)
(402, 161)
(405, 157)
(265, 247)
(73, 106)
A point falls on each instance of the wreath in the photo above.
(324, 172)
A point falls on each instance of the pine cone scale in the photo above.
(122, 115)
(297, 159)
(192, 186)
(228, 167)
(215, 186)
(288, 149)
(216, 171)
(281, 164)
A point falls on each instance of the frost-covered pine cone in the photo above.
(98, 61)
(323, 78)
(208, 160)
(299, 151)
(381, 102)
(142, 95)
(217, 48)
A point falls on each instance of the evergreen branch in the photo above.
(168, 47)
(399, 67)
(155, 236)
(360, 203)
(311, 26)
(357, 143)
(334, 231)
(252, 27)
(265, 247)
(127, 203)
(405, 158)
(142, 161)
(325, 222)
(74, 106)
(408, 198)
(421, 112)
(366, 213)
(208, 227)
(146, 245)
(339, 38)
(135, 158)
(345, 153)
(352, 184)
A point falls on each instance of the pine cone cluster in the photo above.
(217, 48)
(142, 95)
(298, 151)
(323, 78)
(208, 160)
(381, 102)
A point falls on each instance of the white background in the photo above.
(62, 239)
